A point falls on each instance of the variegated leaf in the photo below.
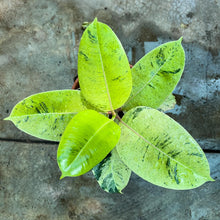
(112, 174)
(161, 151)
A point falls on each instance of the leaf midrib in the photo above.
(84, 147)
(103, 69)
(168, 59)
(148, 142)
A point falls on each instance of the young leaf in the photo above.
(156, 75)
(112, 174)
(160, 151)
(103, 68)
(168, 104)
(86, 141)
(45, 115)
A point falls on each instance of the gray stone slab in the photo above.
(39, 41)
(36, 54)
(30, 189)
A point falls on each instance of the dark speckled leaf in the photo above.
(86, 141)
(46, 115)
(103, 68)
(156, 75)
(161, 151)
(112, 174)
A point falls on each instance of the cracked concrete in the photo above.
(38, 52)
(31, 189)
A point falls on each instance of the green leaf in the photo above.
(103, 68)
(161, 151)
(156, 75)
(45, 115)
(112, 174)
(86, 141)
(168, 104)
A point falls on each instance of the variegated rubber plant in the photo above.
(145, 141)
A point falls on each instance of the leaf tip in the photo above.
(95, 20)
(62, 176)
(211, 179)
(7, 119)
(180, 40)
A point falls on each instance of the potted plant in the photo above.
(114, 124)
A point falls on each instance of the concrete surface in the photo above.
(31, 189)
(38, 52)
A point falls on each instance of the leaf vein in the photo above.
(90, 139)
(103, 71)
(148, 142)
(156, 73)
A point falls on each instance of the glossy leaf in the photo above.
(46, 115)
(168, 104)
(86, 141)
(156, 75)
(160, 151)
(112, 174)
(103, 68)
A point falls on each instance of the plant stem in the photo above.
(76, 84)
